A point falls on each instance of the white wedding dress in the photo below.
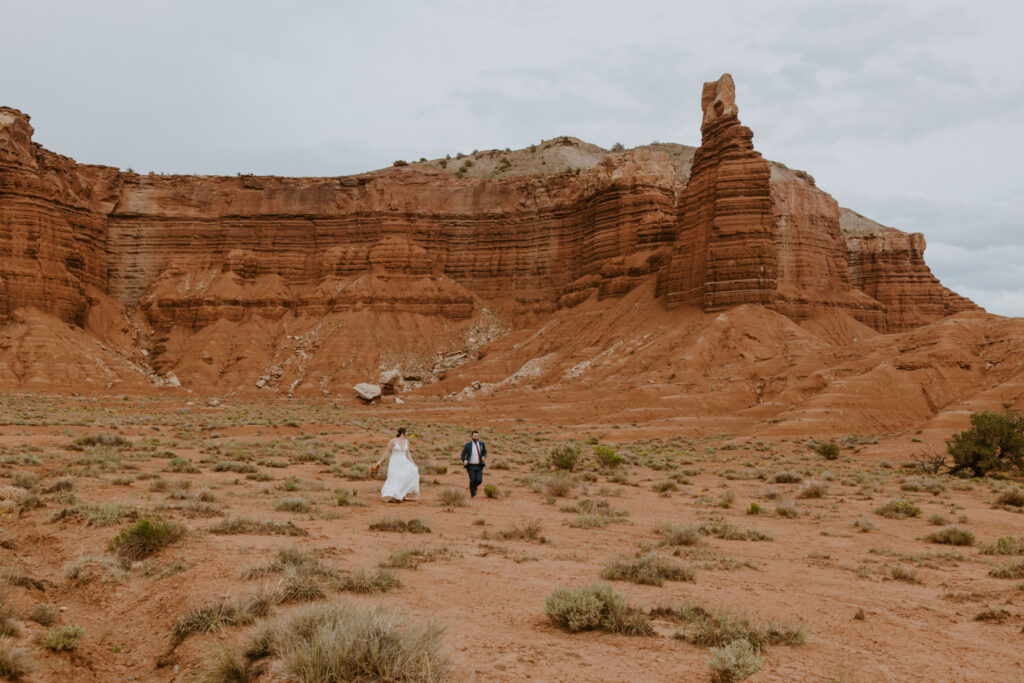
(403, 476)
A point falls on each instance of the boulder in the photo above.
(366, 391)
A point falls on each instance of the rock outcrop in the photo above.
(309, 284)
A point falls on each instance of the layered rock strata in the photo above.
(191, 259)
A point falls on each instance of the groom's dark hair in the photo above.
(473, 432)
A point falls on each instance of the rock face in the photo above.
(309, 284)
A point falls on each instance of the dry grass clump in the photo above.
(676, 535)
(938, 520)
(213, 618)
(243, 525)
(1010, 570)
(651, 570)
(347, 498)
(86, 568)
(998, 615)
(340, 641)
(450, 499)
(1014, 497)
(864, 525)
(898, 509)
(411, 526)
(736, 661)
(63, 638)
(787, 509)
(411, 558)
(361, 580)
(145, 537)
(295, 504)
(14, 660)
(492, 491)
(718, 627)
(558, 485)
(596, 607)
(900, 572)
(101, 439)
(1004, 545)
(8, 617)
(224, 665)
(290, 560)
(43, 613)
(951, 535)
(813, 489)
(524, 531)
(787, 477)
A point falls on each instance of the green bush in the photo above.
(145, 537)
(827, 450)
(898, 509)
(995, 441)
(491, 491)
(63, 638)
(736, 661)
(595, 607)
(608, 456)
(565, 457)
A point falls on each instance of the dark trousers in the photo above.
(476, 477)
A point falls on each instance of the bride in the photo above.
(403, 480)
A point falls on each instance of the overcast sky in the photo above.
(908, 112)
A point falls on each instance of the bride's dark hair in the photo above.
(401, 430)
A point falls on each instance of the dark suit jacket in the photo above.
(467, 451)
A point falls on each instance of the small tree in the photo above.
(994, 441)
(565, 457)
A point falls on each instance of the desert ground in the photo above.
(767, 530)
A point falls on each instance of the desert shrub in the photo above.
(224, 665)
(452, 498)
(754, 509)
(244, 525)
(558, 485)
(998, 615)
(827, 450)
(298, 586)
(564, 457)
(180, 465)
(951, 535)
(347, 498)
(24, 480)
(492, 491)
(1011, 570)
(787, 509)
(813, 489)
(294, 504)
(898, 509)
(145, 537)
(63, 638)
(43, 613)
(1005, 545)
(101, 439)
(651, 570)
(8, 617)
(900, 572)
(717, 627)
(595, 607)
(938, 520)
(524, 531)
(608, 456)
(412, 526)
(344, 642)
(1013, 497)
(411, 558)
(212, 618)
(736, 661)
(360, 580)
(787, 477)
(88, 567)
(995, 441)
(14, 660)
(665, 487)
(238, 467)
(676, 535)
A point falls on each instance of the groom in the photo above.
(474, 459)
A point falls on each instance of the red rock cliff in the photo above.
(277, 268)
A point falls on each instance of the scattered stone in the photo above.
(366, 391)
